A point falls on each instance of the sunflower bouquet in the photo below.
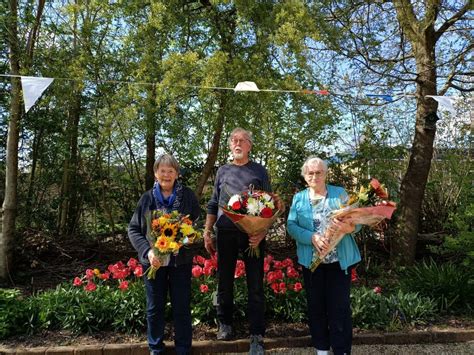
(167, 234)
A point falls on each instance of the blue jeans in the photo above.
(229, 243)
(178, 280)
(329, 308)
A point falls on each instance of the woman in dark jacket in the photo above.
(169, 195)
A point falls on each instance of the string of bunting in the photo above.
(33, 87)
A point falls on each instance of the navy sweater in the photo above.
(233, 179)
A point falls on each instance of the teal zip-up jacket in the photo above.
(301, 228)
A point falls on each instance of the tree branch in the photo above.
(451, 21)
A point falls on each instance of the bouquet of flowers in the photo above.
(368, 207)
(252, 211)
(167, 234)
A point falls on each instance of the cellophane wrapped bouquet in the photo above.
(252, 211)
(167, 234)
(370, 206)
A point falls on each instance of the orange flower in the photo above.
(155, 224)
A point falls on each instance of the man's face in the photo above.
(240, 146)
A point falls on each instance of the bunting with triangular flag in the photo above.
(32, 88)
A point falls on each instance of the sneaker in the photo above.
(256, 345)
(225, 332)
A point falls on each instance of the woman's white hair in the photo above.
(313, 160)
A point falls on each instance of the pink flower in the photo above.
(199, 260)
(292, 273)
(204, 288)
(282, 287)
(207, 271)
(105, 275)
(196, 271)
(378, 289)
(133, 263)
(77, 281)
(275, 287)
(138, 272)
(287, 262)
(89, 274)
(278, 264)
(123, 285)
(266, 266)
(90, 286)
(298, 287)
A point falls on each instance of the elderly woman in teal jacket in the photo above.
(328, 287)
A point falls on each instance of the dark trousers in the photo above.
(176, 279)
(229, 243)
(329, 309)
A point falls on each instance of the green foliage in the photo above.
(74, 309)
(375, 310)
(15, 313)
(450, 285)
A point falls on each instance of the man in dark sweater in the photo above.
(231, 179)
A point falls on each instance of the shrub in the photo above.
(15, 313)
(372, 309)
(451, 285)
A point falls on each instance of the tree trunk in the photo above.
(150, 118)
(403, 245)
(216, 140)
(9, 208)
(69, 210)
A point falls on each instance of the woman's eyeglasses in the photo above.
(314, 173)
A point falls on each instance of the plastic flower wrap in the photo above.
(369, 206)
(253, 212)
(167, 234)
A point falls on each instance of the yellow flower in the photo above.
(162, 244)
(170, 230)
(162, 220)
(96, 272)
(174, 247)
(186, 229)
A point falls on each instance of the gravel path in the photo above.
(438, 349)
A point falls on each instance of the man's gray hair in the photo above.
(313, 160)
(166, 159)
(247, 134)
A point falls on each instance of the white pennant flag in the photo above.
(246, 86)
(33, 87)
(445, 101)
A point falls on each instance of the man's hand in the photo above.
(255, 239)
(209, 243)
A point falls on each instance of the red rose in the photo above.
(378, 289)
(236, 205)
(204, 288)
(275, 287)
(354, 276)
(266, 212)
(138, 272)
(77, 282)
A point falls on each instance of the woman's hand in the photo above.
(320, 243)
(255, 239)
(154, 261)
(343, 226)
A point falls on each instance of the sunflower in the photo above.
(162, 244)
(170, 230)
